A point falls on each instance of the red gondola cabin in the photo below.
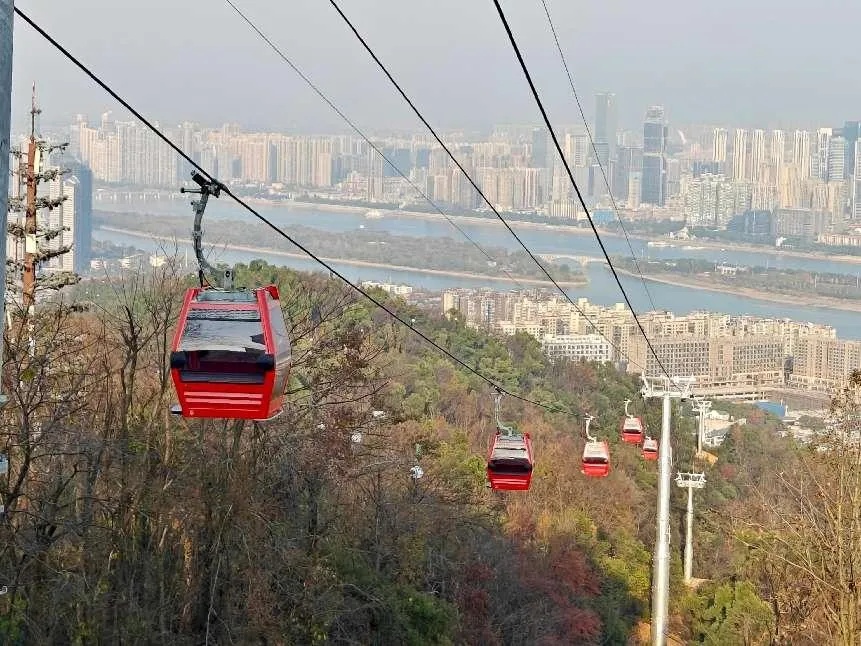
(596, 459)
(509, 464)
(632, 430)
(230, 356)
(650, 449)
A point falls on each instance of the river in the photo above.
(601, 289)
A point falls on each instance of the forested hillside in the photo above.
(125, 524)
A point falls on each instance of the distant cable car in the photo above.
(596, 455)
(650, 449)
(632, 427)
(230, 356)
(509, 464)
(510, 460)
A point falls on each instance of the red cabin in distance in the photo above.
(632, 430)
(510, 462)
(596, 459)
(230, 355)
(650, 449)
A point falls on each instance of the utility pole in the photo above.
(6, 19)
(666, 389)
(691, 481)
(702, 407)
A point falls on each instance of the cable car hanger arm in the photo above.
(224, 277)
(509, 431)
(589, 437)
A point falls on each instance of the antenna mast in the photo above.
(31, 173)
(33, 167)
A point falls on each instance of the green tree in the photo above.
(731, 615)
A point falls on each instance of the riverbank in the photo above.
(574, 230)
(801, 300)
(421, 215)
(567, 228)
(752, 248)
(355, 263)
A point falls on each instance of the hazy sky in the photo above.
(745, 62)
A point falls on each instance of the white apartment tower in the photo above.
(719, 145)
(74, 217)
(823, 141)
(739, 155)
(777, 148)
(801, 153)
(856, 183)
(836, 159)
(757, 155)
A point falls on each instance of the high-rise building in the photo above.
(73, 219)
(604, 138)
(605, 128)
(757, 155)
(710, 200)
(719, 145)
(577, 149)
(700, 200)
(836, 171)
(654, 160)
(777, 153)
(542, 156)
(80, 182)
(801, 153)
(400, 159)
(629, 159)
(540, 150)
(375, 176)
(635, 189)
(673, 182)
(823, 141)
(856, 183)
(851, 133)
(739, 155)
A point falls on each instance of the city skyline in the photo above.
(709, 174)
(52, 123)
(774, 184)
(513, 169)
(227, 74)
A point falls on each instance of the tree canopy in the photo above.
(125, 524)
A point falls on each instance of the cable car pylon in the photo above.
(690, 481)
(702, 407)
(667, 389)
